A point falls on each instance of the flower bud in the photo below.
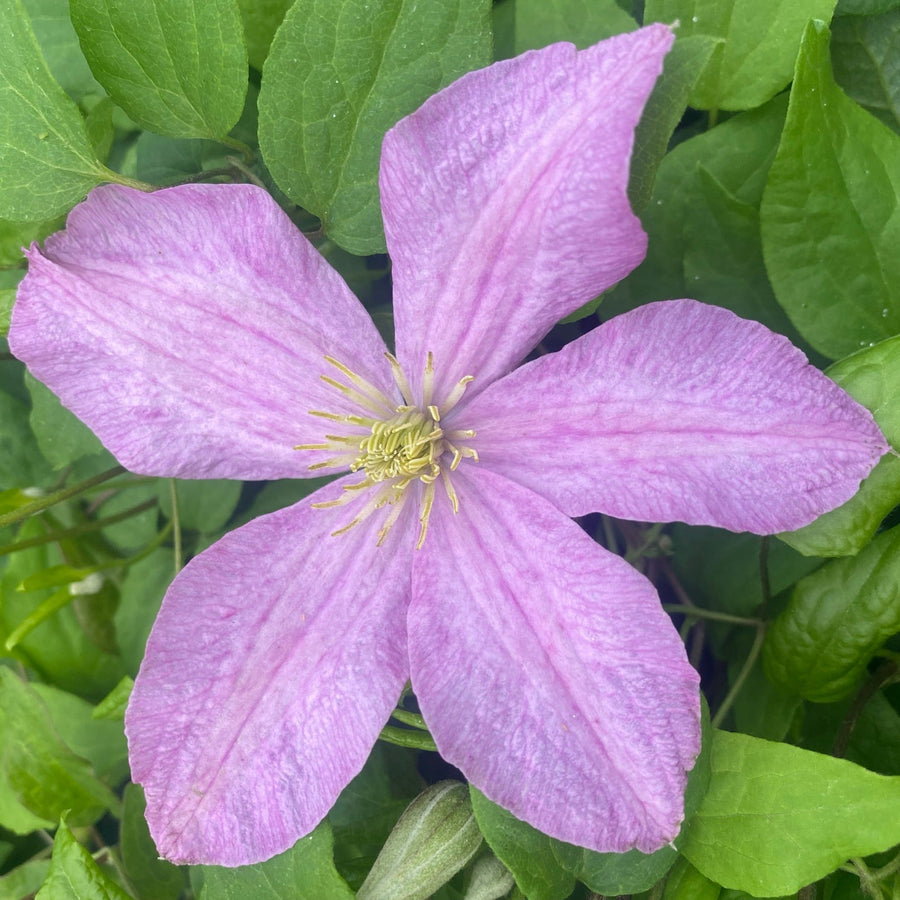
(432, 841)
(490, 879)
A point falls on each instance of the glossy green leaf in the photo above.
(776, 817)
(153, 878)
(864, 53)
(45, 154)
(836, 621)
(760, 39)
(870, 376)
(59, 45)
(830, 217)
(305, 872)
(41, 777)
(583, 22)
(62, 437)
(525, 851)
(261, 19)
(73, 873)
(177, 67)
(338, 75)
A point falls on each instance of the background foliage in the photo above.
(767, 175)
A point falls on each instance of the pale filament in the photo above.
(395, 446)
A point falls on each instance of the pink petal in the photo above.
(679, 410)
(189, 327)
(504, 201)
(276, 659)
(548, 672)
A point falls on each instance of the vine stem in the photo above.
(78, 530)
(118, 178)
(42, 503)
(884, 673)
(712, 615)
(738, 684)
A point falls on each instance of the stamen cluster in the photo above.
(394, 446)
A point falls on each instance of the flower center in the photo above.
(404, 445)
(394, 446)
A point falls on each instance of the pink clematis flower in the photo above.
(200, 335)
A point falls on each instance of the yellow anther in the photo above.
(393, 446)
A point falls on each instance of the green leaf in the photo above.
(177, 67)
(865, 7)
(702, 223)
(7, 299)
(760, 40)
(154, 878)
(686, 883)
(24, 881)
(164, 160)
(305, 872)
(864, 56)
(100, 128)
(73, 873)
(829, 216)
(525, 851)
(776, 817)
(40, 777)
(16, 235)
(59, 45)
(202, 505)
(21, 463)
(261, 19)
(140, 597)
(45, 155)
(337, 77)
(870, 377)
(100, 741)
(667, 103)
(62, 437)
(836, 621)
(583, 22)
(720, 570)
(761, 709)
(58, 648)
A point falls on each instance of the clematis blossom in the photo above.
(200, 335)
